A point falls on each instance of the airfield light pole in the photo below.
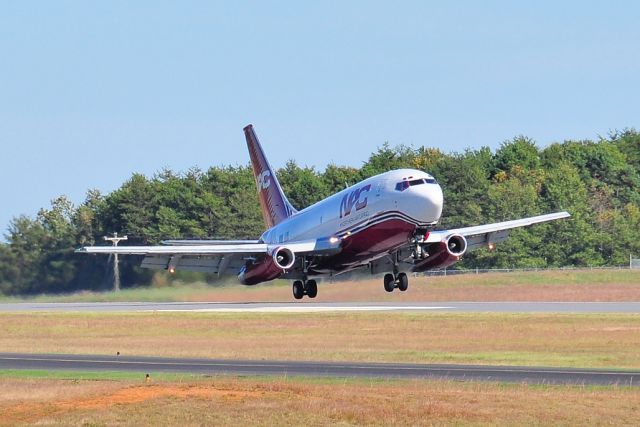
(116, 270)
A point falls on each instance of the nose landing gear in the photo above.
(308, 288)
(400, 281)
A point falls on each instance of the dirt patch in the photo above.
(33, 411)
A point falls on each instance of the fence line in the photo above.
(446, 272)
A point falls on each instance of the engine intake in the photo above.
(283, 257)
(456, 245)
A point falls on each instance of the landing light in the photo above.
(491, 246)
(172, 270)
(333, 239)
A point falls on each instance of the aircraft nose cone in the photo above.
(422, 202)
(434, 201)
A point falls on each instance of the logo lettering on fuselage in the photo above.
(264, 180)
(356, 198)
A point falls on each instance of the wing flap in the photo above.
(155, 262)
(482, 240)
(203, 264)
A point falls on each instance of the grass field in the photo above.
(611, 340)
(558, 285)
(589, 340)
(303, 401)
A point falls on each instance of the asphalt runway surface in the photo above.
(151, 365)
(311, 307)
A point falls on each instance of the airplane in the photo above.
(386, 224)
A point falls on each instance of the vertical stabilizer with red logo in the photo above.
(275, 206)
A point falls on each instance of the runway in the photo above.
(314, 307)
(151, 365)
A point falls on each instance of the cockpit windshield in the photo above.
(403, 185)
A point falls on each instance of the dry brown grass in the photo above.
(571, 285)
(229, 401)
(611, 340)
(26, 390)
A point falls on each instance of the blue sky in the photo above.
(91, 92)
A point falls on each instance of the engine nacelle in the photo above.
(443, 254)
(267, 267)
(456, 245)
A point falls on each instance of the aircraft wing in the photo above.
(195, 242)
(185, 249)
(213, 256)
(483, 235)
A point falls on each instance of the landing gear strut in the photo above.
(308, 288)
(398, 280)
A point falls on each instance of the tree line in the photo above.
(598, 182)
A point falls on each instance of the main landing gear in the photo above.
(400, 281)
(308, 288)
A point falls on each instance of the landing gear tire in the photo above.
(298, 289)
(403, 282)
(389, 282)
(308, 288)
(312, 288)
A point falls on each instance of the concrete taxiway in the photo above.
(310, 307)
(150, 365)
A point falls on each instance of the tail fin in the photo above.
(275, 206)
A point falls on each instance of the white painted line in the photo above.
(298, 309)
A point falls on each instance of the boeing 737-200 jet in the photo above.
(384, 224)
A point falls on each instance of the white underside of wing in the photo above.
(507, 225)
(243, 248)
(195, 242)
(178, 250)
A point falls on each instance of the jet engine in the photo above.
(267, 267)
(443, 254)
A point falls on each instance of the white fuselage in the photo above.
(407, 195)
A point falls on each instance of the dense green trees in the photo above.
(598, 182)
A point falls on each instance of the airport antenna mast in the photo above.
(116, 269)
